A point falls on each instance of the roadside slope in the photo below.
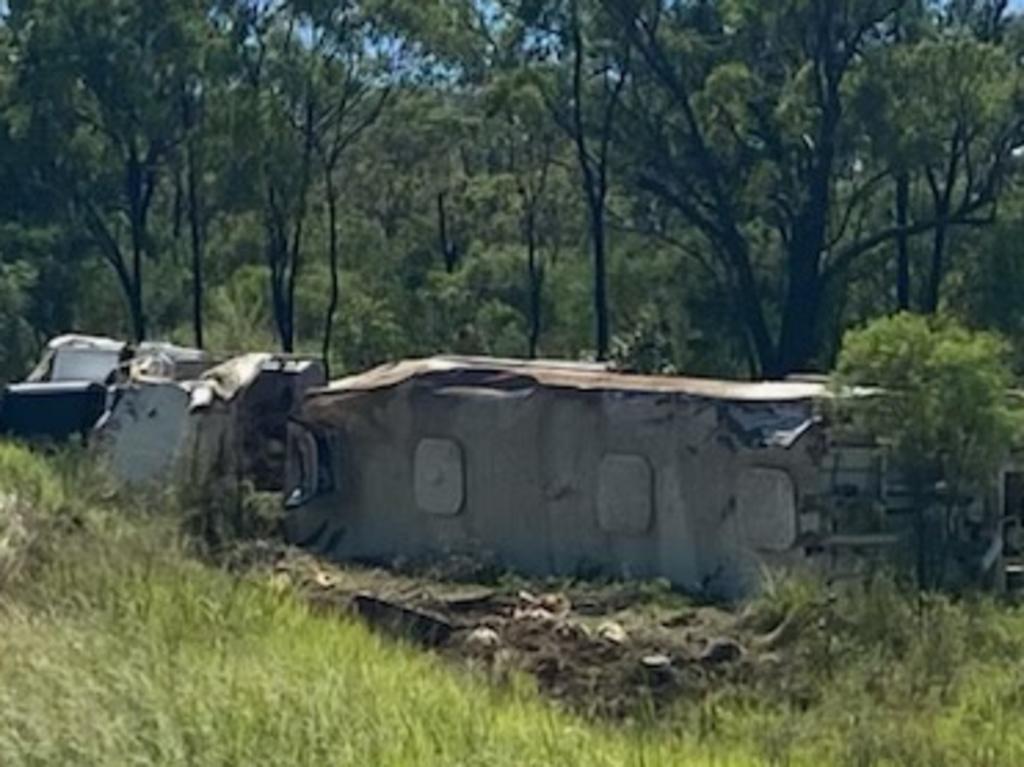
(118, 647)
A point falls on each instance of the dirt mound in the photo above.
(612, 650)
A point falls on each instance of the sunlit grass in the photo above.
(168, 663)
(117, 648)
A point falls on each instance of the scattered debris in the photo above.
(613, 632)
(463, 602)
(721, 651)
(785, 632)
(535, 614)
(415, 625)
(557, 604)
(605, 650)
(658, 668)
(483, 640)
(656, 662)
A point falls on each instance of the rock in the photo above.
(483, 639)
(613, 632)
(657, 668)
(656, 662)
(325, 580)
(575, 632)
(558, 604)
(721, 651)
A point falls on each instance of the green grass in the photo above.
(117, 648)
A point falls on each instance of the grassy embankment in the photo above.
(118, 648)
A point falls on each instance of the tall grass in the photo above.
(182, 667)
(117, 648)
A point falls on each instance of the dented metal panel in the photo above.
(498, 373)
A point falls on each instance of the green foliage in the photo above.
(369, 332)
(647, 349)
(750, 167)
(990, 290)
(238, 312)
(943, 396)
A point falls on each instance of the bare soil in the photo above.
(615, 650)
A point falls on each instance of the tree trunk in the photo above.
(189, 118)
(936, 274)
(196, 232)
(275, 224)
(600, 279)
(288, 297)
(534, 276)
(332, 233)
(294, 251)
(749, 305)
(903, 243)
(136, 210)
(801, 317)
(943, 201)
(595, 187)
(449, 253)
(136, 301)
(798, 343)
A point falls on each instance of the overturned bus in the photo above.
(553, 468)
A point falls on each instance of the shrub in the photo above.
(941, 401)
(946, 405)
